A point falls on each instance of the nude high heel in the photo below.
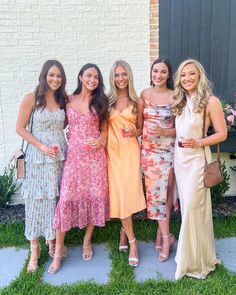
(33, 264)
(133, 261)
(54, 269)
(162, 256)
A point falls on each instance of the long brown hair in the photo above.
(99, 100)
(42, 88)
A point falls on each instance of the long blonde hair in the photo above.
(112, 95)
(204, 89)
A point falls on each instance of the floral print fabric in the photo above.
(40, 187)
(157, 158)
(84, 188)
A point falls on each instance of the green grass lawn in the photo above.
(122, 280)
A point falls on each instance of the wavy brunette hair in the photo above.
(166, 61)
(99, 100)
(113, 90)
(40, 91)
(203, 91)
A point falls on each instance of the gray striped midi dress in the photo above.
(40, 188)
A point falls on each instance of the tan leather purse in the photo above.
(19, 156)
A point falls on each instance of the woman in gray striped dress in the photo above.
(41, 120)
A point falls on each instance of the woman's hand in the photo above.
(49, 151)
(160, 131)
(191, 143)
(126, 132)
(94, 144)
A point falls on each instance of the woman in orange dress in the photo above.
(123, 154)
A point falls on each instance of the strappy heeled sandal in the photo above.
(54, 269)
(122, 248)
(157, 245)
(162, 256)
(51, 251)
(133, 261)
(87, 255)
(51, 248)
(33, 264)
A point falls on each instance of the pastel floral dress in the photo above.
(84, 188)
(157, 158)
(40, 188)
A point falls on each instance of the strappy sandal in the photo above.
(51, 251)
(162, 256)
(33, 264)
(158, 239)
(122, 248)
(51, 248)
(133, 261)
(54, 269)
(87, 254)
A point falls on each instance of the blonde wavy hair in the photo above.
(112, 95)
(204, 89)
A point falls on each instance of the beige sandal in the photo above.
(133, 261)
(33, 264)
(87, 253)
(163, 257)
(54, 269)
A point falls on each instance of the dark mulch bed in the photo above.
(12, 213)
(16, 213)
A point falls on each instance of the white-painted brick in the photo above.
(74, 32)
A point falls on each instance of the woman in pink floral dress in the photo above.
(158, 140)
(84, 189)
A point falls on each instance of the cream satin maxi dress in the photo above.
(196, 255)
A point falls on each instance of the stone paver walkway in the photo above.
(75, 269)
(11, 263)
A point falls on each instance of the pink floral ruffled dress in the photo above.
(84, 188)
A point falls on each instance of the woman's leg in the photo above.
(167, 238)
(59, 252)
(87, 244)
(34, 255)
(51, 247)
(127, 224)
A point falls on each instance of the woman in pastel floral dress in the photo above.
(84, 189)
(45, 108)
(158, 140)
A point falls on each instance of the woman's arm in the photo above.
(103, 135)
(214, 115)
(25, 111)
(139, 122)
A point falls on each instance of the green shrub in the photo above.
(8, 185)
(218, 191)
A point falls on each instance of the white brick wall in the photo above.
(74, 32)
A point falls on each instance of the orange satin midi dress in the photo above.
(124, 170)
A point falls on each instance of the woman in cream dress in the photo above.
(196, 255)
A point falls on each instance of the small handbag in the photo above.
(212, 171)
(19, 156)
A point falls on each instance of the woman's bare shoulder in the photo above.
(213, 102)
(146, 93)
